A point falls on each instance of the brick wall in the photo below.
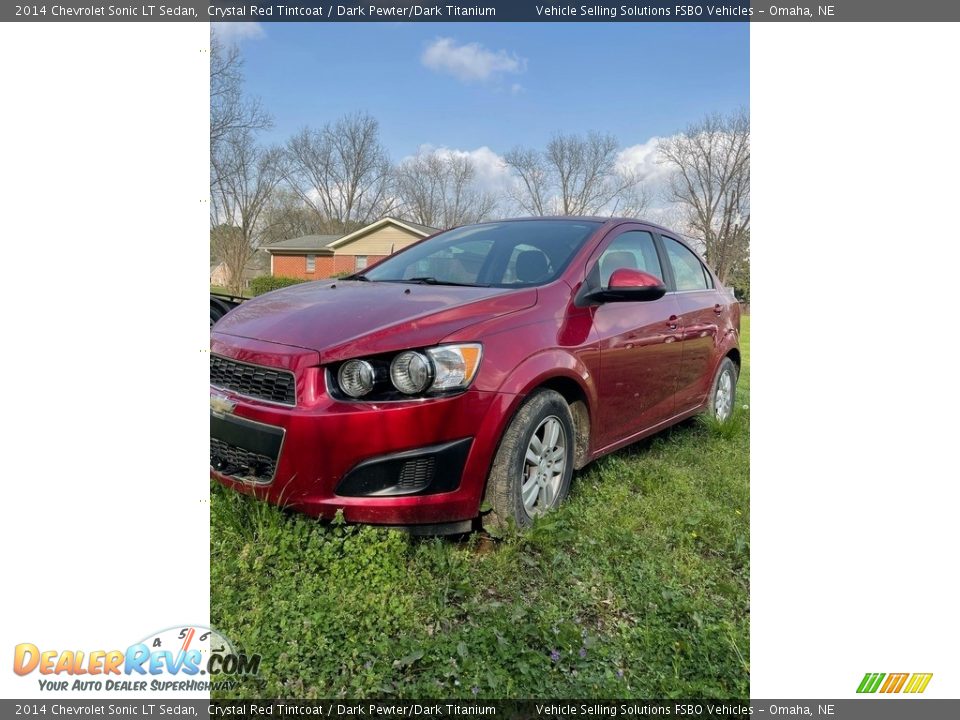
(296, 265)
(371, 259)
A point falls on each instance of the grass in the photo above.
(638, 587)
(220, 290)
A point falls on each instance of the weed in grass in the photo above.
(727, 429)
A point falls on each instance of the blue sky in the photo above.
(471, 85)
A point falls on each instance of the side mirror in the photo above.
(628, 285)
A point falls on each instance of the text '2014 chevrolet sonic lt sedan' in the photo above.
(477, 368)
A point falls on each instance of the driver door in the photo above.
(639, 342)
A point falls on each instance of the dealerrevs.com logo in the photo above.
(183, 659)
(894, 683)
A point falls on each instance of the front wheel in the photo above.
(723, 395)
(533, 467)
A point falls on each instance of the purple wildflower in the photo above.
(583, 652)
(555, 655)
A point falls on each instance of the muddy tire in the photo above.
(533, 466)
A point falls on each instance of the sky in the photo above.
(484, 88)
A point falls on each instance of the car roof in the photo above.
(589, 218)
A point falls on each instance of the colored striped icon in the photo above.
(894, 682)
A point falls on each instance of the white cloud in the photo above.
(492, 173)
(471, 62)
(231, 32)
(516, 89)
(642, 159)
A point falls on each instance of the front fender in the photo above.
(547, 368)
(547, 365)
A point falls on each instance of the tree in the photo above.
(342, 171)
(245, 177)
(711, 185)
(230, 109)
(438, 188)
(575, 175)
(287, 216)
(531, 192)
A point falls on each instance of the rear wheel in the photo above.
(723, 396)
(534, 464)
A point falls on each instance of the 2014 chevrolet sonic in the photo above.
(477, 368)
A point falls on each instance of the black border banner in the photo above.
(874, 708)
(482, 11)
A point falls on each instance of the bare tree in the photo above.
(531, 191)
(438, 188)
(575, 175)
(288, 216)
(342, 171)
(711, 183)
(230, 109)
(245, 177)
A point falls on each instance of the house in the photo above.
(259, 264)
(312, 257)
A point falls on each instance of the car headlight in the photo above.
(411, 372)
(454, 365)
(356, 378)
(440, 369)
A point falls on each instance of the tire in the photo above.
(217, 311)
(513, 471)
(723, 393)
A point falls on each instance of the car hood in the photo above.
(341, 319)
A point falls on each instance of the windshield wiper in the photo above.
(428, 280)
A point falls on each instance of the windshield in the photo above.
(500, 254)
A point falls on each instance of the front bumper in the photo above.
(326, 455)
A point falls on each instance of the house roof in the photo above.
(425, 229)
(311, 243)
(326, 244)
(416, 228)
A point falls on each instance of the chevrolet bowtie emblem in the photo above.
(221, 405)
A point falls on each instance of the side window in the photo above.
(633, 249)
(688, 271)
(311, 263)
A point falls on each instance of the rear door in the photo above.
(701, 309)
(639, 341)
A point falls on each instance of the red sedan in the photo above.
(480, 366)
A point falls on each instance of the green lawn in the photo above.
(220, 290)
(637, 587)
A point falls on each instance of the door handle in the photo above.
(672, 322)
(718, 309)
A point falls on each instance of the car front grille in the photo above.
(242, 464)
(278, 386)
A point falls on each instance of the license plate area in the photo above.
(243, 449)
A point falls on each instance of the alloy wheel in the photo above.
(543, 466)
(723, 404)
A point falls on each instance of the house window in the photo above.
(311, 263)
(361, 262)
